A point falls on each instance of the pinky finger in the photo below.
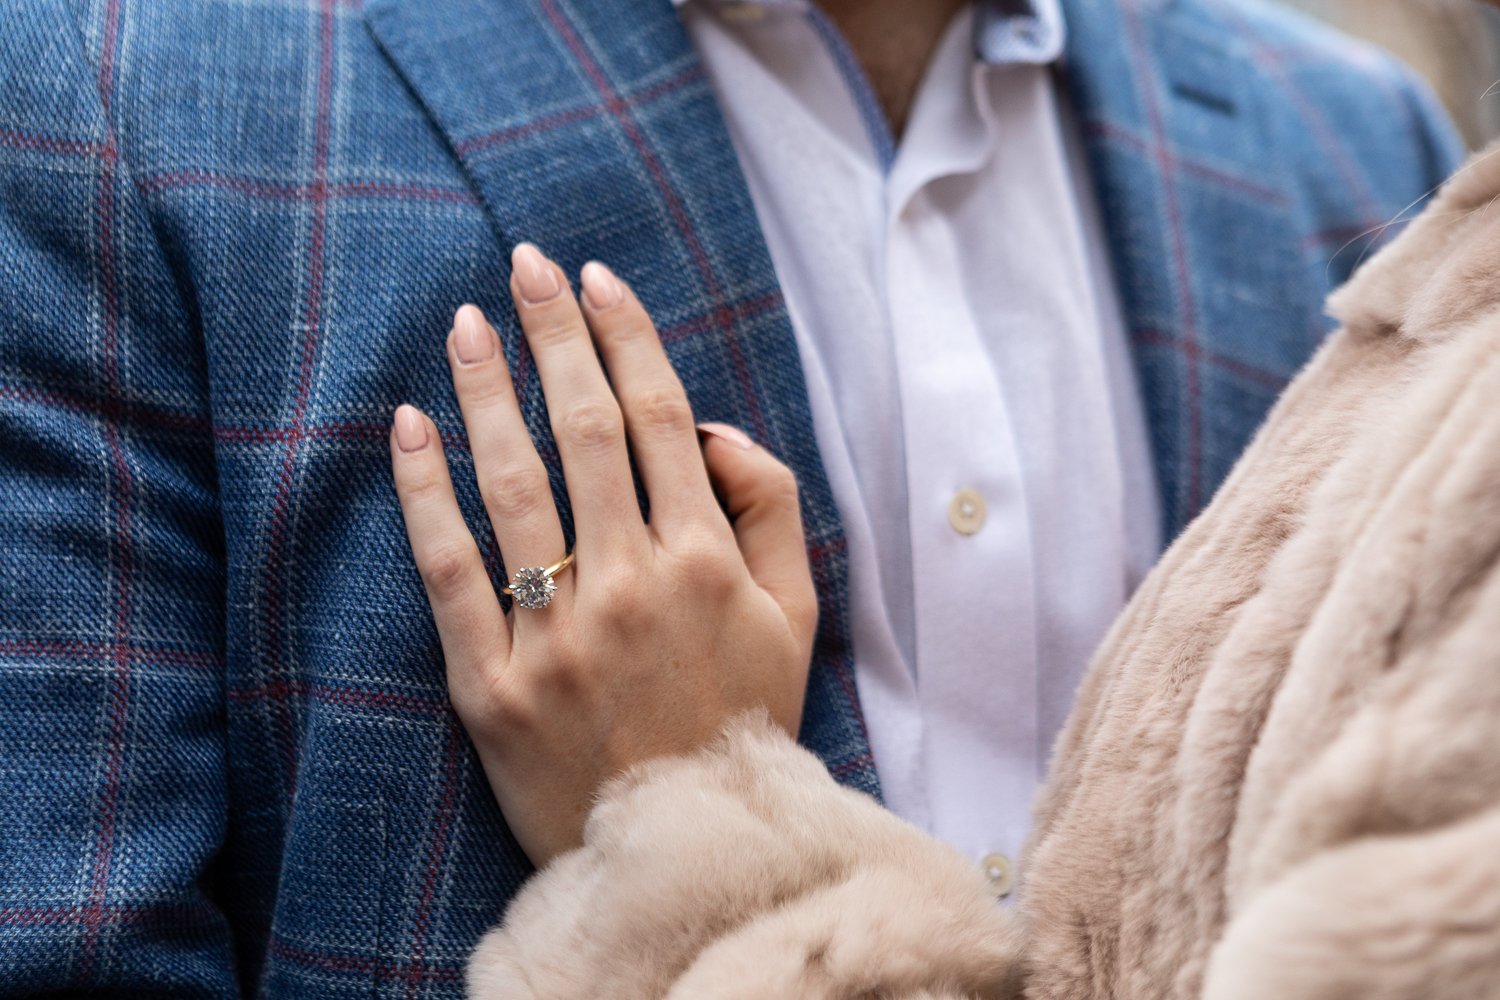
(469, 621)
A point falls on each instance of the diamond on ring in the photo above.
(532, 588)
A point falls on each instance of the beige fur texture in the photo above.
(744, 873)
(1281, 779)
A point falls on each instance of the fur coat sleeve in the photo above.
(1281, 778)
(746, 873)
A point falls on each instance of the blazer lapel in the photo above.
(589, 127)
(1199, 212)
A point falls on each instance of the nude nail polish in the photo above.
(600, 286)
(472, 341)
(411, 430)
(535, 279)
(724, 432)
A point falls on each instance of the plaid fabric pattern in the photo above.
(232, 233)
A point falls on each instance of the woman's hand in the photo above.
(658, 633)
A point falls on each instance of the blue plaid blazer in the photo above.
(232, 233)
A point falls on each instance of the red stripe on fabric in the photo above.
(341, 431)
(121, 495)
(556, 119)
(1159, 338)
(111, 409)
(312, 318)
(854, 764)
(70, 649)
(359, 965)
(1186, 308)
(545, 123)
(749, 308)
(402, 192)
(817, 553)
(1378, 232)
(1112, 132)
(444, 822)
(42, 143)
(106, 82)
(291, 191)
(345, 697)
(724, 316)
(130, 913)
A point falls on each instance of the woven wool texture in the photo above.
(232, 234)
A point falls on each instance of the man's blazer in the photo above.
(232, 236)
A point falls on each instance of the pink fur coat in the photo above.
(1281, 779)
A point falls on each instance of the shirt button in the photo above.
(966, 512)
(1000, 874)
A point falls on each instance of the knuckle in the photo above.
(514, 491)
(618, 595)
(630, 331)
(695, 552)
(421, 484)
(484, 387)
(445, 567)
(591, 425)
(708, 567)
(663, 409)
(504, 705)
(779, 486)
(565, 672)
(553, 326)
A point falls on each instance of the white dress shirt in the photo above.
(971, 387)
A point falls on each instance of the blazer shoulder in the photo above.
(1340, 106)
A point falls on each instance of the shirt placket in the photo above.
(972, 563)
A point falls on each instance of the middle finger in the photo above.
(585, 417)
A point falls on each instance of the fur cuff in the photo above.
(745, 871)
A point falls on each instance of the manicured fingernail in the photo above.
(411, 431)
(472, 340)
(733, 435)
(600, 286)
(534, 278)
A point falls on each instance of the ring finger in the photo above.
(512, 479)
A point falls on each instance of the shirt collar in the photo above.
(1006, 32)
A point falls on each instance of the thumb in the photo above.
(760, 495)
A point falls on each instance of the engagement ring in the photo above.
(532, 587)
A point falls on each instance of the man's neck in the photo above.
(893, 40)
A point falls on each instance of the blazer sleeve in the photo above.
(745, 871)
(112, 724)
